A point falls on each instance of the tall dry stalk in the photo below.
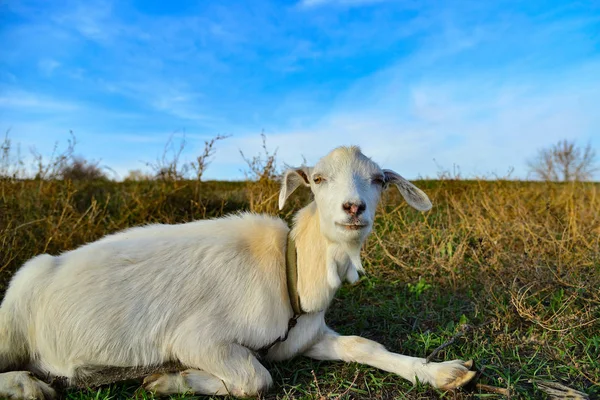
(262, 178)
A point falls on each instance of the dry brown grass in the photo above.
(518, 262)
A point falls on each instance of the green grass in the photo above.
(518, 263)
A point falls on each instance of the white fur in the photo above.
(206, 293)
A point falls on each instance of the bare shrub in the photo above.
(60, 164)
(201, 163)
(57, 161)
(446, 174)
(63, 164)
(564, 161)
(11, 164)
(80, 169)
(138, 175)
(262, 179)
(168, 166)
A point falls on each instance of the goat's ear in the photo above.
(292, 178)
(412, 194)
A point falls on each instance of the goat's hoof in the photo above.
(460, 380)
(150, 380)
(165, 383)
(22, 385)
(455, 374)
(448, 375)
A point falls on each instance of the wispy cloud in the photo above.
(317, 3)
(93, 20)
(21, 100)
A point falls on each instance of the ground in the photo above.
(511, 270)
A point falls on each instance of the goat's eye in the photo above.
(378, 180)
(318, 179)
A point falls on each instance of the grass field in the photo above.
(513, 266)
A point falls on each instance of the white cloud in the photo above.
(22, 100)
(47, 66)
(93, 20)
(317, 3)
(483, 127)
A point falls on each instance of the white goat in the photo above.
(208, 294)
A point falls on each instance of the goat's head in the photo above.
(347, 186)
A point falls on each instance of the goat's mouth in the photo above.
(354, 226)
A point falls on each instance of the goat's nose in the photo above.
(354, 208)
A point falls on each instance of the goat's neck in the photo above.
(322, 263)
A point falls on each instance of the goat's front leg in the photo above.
(22, 385)
(219, 369)
(445, 375)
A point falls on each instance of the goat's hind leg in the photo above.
(222, 370)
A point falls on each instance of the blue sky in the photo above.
(419, 85)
